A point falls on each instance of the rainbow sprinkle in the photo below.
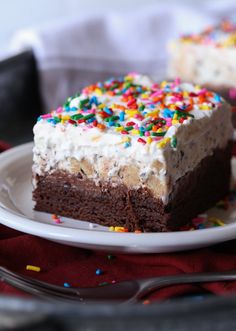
(99, 272)
(201, 222)
(222, 35)
(128, 108)
(56, 218)
(66, 285)
(33, 268)
(146, 302)
(228, 201)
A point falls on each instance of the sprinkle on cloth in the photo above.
(33, 268)
(99, 272)
(66, 285)
(146, 302)
(103, 284)
(134, 108)
(221, 35)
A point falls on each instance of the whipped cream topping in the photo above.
(134, 121)
(220, 35)
(206, 58)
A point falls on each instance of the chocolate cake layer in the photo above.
(77, 197)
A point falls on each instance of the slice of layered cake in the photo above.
(207, 58)
(133, 153)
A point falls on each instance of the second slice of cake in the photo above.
(133, 153)
(207, 58)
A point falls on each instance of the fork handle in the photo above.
(148, 285)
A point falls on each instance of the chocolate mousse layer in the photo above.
(75, 196)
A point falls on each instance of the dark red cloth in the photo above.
(3, 146)
(77, 266)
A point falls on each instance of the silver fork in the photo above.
(126, 292)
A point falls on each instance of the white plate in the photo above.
(16, 211)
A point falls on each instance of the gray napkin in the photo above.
(93, 47)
